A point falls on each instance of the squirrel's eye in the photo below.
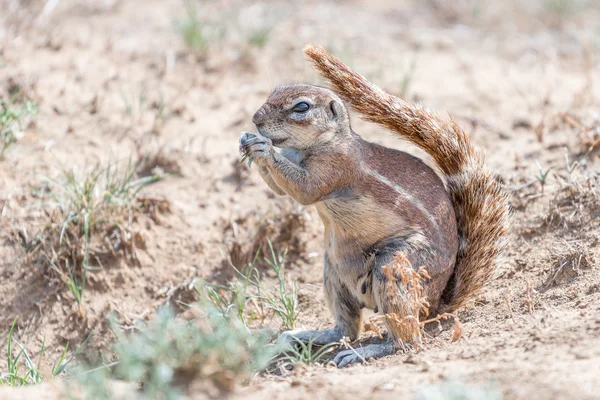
(301, 107)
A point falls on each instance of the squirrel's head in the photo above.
(302, 116)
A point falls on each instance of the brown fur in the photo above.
(480, 204)
(373, 202)
(377, 202)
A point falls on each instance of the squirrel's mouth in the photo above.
(275, 141)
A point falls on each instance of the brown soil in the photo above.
(521, 79)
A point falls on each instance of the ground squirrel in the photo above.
(375, 201)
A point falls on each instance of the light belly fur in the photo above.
(352, 227)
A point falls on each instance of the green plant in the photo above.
(561, 8)
(198, 34)
(570, 167)
(31, 374)
(93, 382)
(284, 300)
(234, 295)
(542, 175)
(167, 354)
(193, 35)
(304, 353)
(135, 104)
(73, 283)
(160, 112)
(88, 215)
(11, 117)
(247, 288)
(259, 37)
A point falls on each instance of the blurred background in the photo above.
(169, 85)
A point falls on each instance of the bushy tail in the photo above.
(480, 204)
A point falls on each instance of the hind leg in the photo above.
(391, 298)
(346, 310)
(387, 347)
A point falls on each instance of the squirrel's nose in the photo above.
(258, 117)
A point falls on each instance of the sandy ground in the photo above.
(521, 79)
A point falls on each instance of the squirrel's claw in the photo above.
(246, 140)
(253, 146)
(362, 354)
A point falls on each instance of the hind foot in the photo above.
(362, 354)
(320, 338)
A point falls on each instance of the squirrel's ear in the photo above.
(334, 109)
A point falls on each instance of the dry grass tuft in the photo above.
(506, 296)
(412, 300)
(587, 129)
(529, 302)
(87, 220)
(574, 203)
(568, 261)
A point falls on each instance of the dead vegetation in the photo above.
(587, 128)
(574, 202)
(568, 261)
(405, 289)
(15, 115)
(87, 218)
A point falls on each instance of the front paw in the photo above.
(255, 147)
